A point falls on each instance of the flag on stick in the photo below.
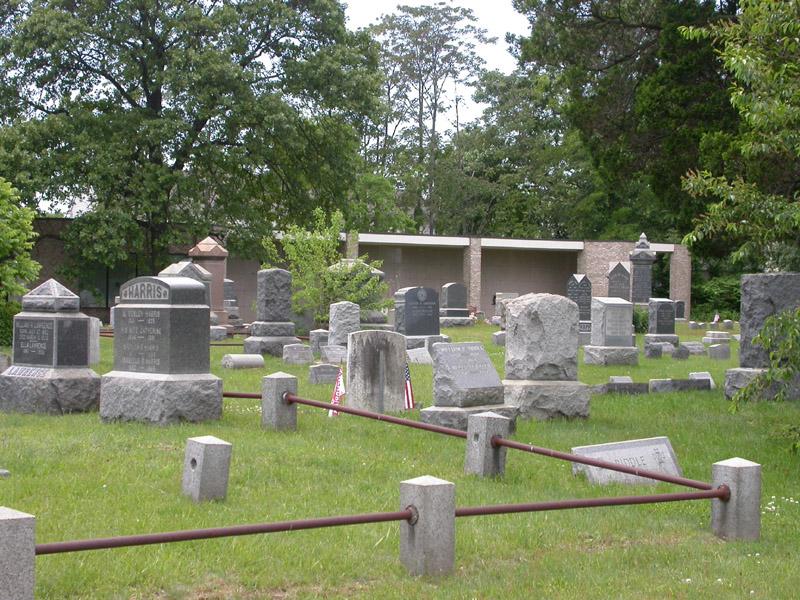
(408, 397)
(338, 392)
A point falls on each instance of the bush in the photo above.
(717, 295)
(641, 319)
(7, 312)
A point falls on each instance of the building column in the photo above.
(351, 245)
(472, 272)
(680, 277)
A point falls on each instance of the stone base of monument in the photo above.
(456, 321)
(659, 338)
(376, 327)
(160, 399)
(544, 400)
(736, 379)
(420, 341)
(694, 348)
(610, 355)
(456, 417)
(49, 391)
(584, 338)
(272, 345)
(218, 333)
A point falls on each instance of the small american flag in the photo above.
(338, 392)
(408, 398)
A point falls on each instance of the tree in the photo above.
(168, 117)
(16, 241)
(319, 276)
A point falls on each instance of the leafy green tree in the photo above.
(319, 276)
(165, 118)
(16, 242)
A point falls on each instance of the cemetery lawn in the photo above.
(83, 479)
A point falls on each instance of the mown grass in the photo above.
(85, 479)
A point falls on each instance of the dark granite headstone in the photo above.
(418, 313)
(680, 309)
(579, 290)
(642, 259)
(619, 282)
(454, 300)
(661, 313)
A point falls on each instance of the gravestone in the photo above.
(642, 259)
(344, 319)
(650, 454)
(612, 333)
(419, 356)
(161, 355)
(210, 255)
(376, 362)
(333, 354)
(619, 281)
(453, 311)
(323, 373)
(541, 358)
(661, 322)
(186, 268)
(680, 309)
(762, 296)
(231, 303)
(273, 327)
(579, 290)
(317, 338)
(297, 354)
(50, 356)
(94, 340)
(417, 311)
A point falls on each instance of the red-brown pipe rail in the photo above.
(240, 395)
(498, 441)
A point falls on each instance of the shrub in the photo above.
(717, 295)
(7, 312)
(641, 319)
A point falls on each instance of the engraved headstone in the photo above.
(454, 300)
(273, 328)
(232, 303)
(619, 281)
(161, 355)
(612, 322)
(50, 356)
(651, 454)
(642, 259)
(680, 309)
(579, 290)
(376, 362)
(463, 375)
(661, 313)
(417, 311)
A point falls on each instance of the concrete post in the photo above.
(472, 273)
(275, 412)
(205, 468)
(740, 517)
(427, 546)
(17, 554)
(482, 458)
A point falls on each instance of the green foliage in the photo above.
(641, 319)
(717, 295)
(318, 276)
(7, 312)
(16, 241)
(168, 118)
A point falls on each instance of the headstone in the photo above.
(50, 356)
(719, 351)
(297, 354)
(653, 351)
(376, 362)
(764, 295)
(694, 348)
(231, 303)
(112, 311)
(499, 338)
(680, 309)
(619, 281)
(217, 333)
(727, 324)
(703, 375)
(694, 325)
(344, 319)
(323, 373)
(642, 259)
(417, 311)
(242, 361)
(419, 356)
(661, 312)
(454, 300)
(161, 355)
(681, 352)
(463, 375)
(650, 454)
(206, 466)
(94, 340)
(678, 385)
(273, 328)
(579, 290)
(333, 354)
(541, 362)
(186, 268)
(210, 255)
(317, 338)
(425, 341)
(610, 355)
(620, 379)
(612, 333)
(5, 361)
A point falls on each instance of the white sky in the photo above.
(498, 17)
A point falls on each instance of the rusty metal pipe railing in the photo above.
(722, 492)
(603, 464)
(217, 532)
(240, 395)
(291, 398)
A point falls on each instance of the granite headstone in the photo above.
(619, 281)
(579, 290)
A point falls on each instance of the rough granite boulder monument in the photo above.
(612, 334)
(376, 363)
(763, 295)
(273, 327)
(642, 259)
(465, 382)
(579, 290)
(50, 356)
(161, 355)
(541, 364)
(210, 255)
(661, 322)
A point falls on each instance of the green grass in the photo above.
(85, 479)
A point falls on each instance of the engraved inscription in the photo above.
(665, 318)
(33, 341)
(469, 366)
(144, 290)
(617, 323)
(653, 454)
(141, 340)
(17, 371)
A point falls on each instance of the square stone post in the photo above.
(276, 413)
(17, 554)
(482, 458)
(351, 245)
(427, 546)
(205, 468)
(740, 517)
(472, 273)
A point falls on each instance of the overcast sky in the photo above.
(498, 17)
